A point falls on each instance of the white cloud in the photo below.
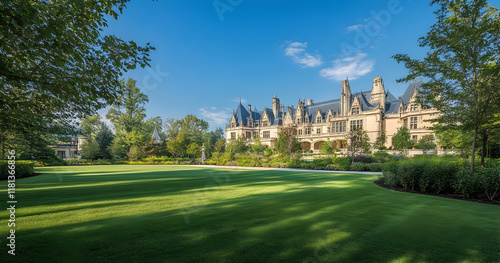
(215, 116)
(297, 51)
(352, 67)
(354, 27)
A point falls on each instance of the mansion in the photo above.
(374, 111)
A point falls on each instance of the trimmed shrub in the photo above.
(490, 182)
(467, 184)
(374, 167)
(21, 168)
(358, 167)
(343, 162)
(248, 161)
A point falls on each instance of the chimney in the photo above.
(309, 102)
(249, 108)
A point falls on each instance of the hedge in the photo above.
(442, 176)
(22, 169)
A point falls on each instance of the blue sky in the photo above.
(209, 54)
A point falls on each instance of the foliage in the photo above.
(343, 162)
(118, 147)
(432, 175)
(57, 65)
(327, 149)
(426, 143)
(194, 150)
(358, 142)
(490, 181)
(402, 140)
(257, 146)
(462, 66)
(467, 184)
(21, 168)
(454, 139)
(104, 138)
(287, 143)
(220, 145)
(382, 157)
(90, 149)
(178, 145)
(380, 142)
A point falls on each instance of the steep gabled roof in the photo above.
(323, 107)
(241, 115)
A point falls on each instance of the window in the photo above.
(233, 125)
(328, 129)
(318, 130)
(300, 131)
(266, 134)
(264, 123)
(414, 107)
(413, 123)
(298, 121)
(233, 135)
(318, 119)
(248, 135)
(355, 111)
(61, 154)
(255, 134)
(357, 124)
(339, 127)
(415, 138)
(307, 130)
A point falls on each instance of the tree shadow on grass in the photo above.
(361, 223)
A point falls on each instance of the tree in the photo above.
(118, 147)
(380, 142)
(90, 149)
(178, 145)
(402, 140)
(128, 114)
(287, 144)
(104, 138)
(327, 148)
(426, 143)
(90, 127)
(220, 145)
(194, 150)
(358, 142)
(257, 146)
(461, 65)
(57, 65)
(455, 140)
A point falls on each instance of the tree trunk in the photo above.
(473, 155)
(485, 142)
(2, 141)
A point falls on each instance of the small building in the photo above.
(68, 150)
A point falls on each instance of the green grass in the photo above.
(133, 213)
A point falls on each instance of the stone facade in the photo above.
(67, 150)
(375, 111)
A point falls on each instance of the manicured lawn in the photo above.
(133, 213)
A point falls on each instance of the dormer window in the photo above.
(233, 125)
(318, 120)
(264, 123)
(414, 107)
(355, 111)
